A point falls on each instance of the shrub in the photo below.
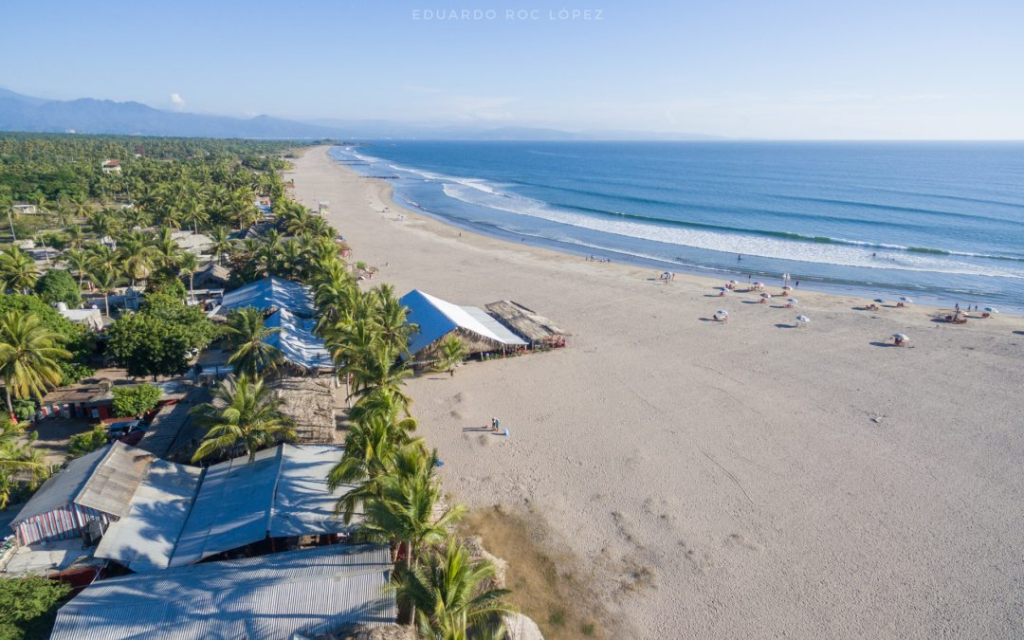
(88, 442)
(28, 606)
(58, 285)
(135, 401)
(24, 409)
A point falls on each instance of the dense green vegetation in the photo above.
(28, 606)
(159, 339)
(135, 400)
(83, 443)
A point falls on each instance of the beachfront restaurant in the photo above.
(437, 319)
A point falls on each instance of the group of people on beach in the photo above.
(597, 259)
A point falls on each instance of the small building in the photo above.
(91, 317)
(270, 294)
(87, 400)
(212, 276)
(98, 486)
(111, 166)
(307, 592)
(309, 402)
(24, 209)
(437, 319)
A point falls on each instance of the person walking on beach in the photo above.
(797, 286)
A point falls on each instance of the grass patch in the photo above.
(547, 583)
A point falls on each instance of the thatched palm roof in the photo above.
(525, 322)
(310, 403)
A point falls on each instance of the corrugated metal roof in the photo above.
(498, 329)
(297, 342)
(283, 493)
(145, 538)
(113, 483)
(303, 505)
(170, 423)
(436, 318)
(270, 597)
(232, 508)
(62, 488)
(271, 293)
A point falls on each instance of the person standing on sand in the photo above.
(797, 286)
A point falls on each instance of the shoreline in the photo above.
(761, 479)
(817, 282)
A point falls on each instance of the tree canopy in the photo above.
(157, 340)
(58, 285)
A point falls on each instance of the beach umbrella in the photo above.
(900, 338)
(991, 309)
(721, 314)
(792, 301)
(787, 288)
(802, 319)
(733, 282)
(879, 300)
(905, 299)
(758, 284)
(766, 295)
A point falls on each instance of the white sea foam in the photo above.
(820, 253)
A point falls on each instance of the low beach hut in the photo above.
(436, 319)
(527, 323)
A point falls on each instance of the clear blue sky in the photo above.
(744, 68)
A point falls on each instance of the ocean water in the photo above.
(938, 222)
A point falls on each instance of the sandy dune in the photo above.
(739, 480)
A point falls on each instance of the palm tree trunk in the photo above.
(10, 406)
(408, 568)
(106, 303)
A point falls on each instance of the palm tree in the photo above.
(17, 270)
(75, 236)
(242, 412)
(379, 368)
(450, 354)
(165, 248)
(403, 513)
(192, 213)
(221, 243)
(104, 279)
(29, 356)
(449, 597)
(16, 457)
(247, 334)
(188, 263)
(79, 261)
(136, 258)
(390, 316)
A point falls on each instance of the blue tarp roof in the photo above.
(437, 318)
(312, 591)
(271, 293)
(297, 341)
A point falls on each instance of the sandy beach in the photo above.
(748, 479)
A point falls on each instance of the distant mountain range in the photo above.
(86, 115)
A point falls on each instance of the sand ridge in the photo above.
(740, 480)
